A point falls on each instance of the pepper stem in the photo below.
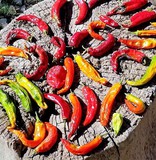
(37, 117)
(64, 121)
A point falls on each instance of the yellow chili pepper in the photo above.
(153, 24)
(145, 33)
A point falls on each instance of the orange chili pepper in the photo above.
(108, 102)
(93, 25)
(153, 24)
(145, 33)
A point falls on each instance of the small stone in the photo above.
(18, 2)
(3, 22)
(23, 8)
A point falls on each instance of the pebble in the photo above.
(3, 22)
(18, 2)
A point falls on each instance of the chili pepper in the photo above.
(83, 10)
(128, 6)
(55, 11)
(50, 139)
(92, 3)
(65, 108)
(21, 92)
(153, 24)
(76, 114)
(77, 38)
(134, 104)
(93, 25)
(69, 65)
(43, 64)
(89, 70)
(62, 47)
(32, 89)
(103, 48)
(145, 33)
(35, 20)
(139, 18)
(9, 107)
(56, 76)
(13, 51)
(128, 53)
(17, 34)
(92, 104)
(148, 75)
(109, 21)
(148, 43)
(108, 102)
(39, 134)
(84, 149)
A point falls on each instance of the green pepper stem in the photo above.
(37, 117)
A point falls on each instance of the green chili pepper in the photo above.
(149, 74)
(32, 89)
(21, 92)
(9, 107)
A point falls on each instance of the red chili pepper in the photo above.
(139, 18)
(55, 11)
(76, 114)
(84, 149)
(35, 20)
(43, 64)
(69, 65)
(77, 38)
(83, 7)
(128, 53)
(65, 108)
(17, 34)
(92, 104)
(92, 3)
(103, 48)
(109, 21)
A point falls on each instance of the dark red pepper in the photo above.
(35, 20)
(57, 41)
(77, 38)
(43, 64)
(92, 3)
(130, 54)
(103, 48)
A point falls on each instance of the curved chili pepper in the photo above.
(148, 43)
(65, 108)
(93, 25)
(84, 149)
(109, 21)
(76, 114)
(62, 47)
(134, 104)
(103, 48)
(32, 89)
(77, 38)
(35, 20)
(49, 140)
(92, 3)
(92, 104)
(13, 51)
(128, 53)
(83, 7)
(55, 11)
(148, 75)
(89, 70)
(145, 33)
(108, 102)
(17, 34)
(69, 65)
(43, 64)
(9, 107)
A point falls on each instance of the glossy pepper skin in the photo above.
(21, 92)
(65, 108)
(35, 20)
(69, 65)
(134, 104)
(128, 53)
(40, 71)
(148, 75)
(92, 3)
(144, 33)
(108, 102)
(55, 11)
(92, 104)
(94, 25)
(84, 149)
(103, 48)
(32, 89)
(89, 70)
(76, 114)
(9, 107)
